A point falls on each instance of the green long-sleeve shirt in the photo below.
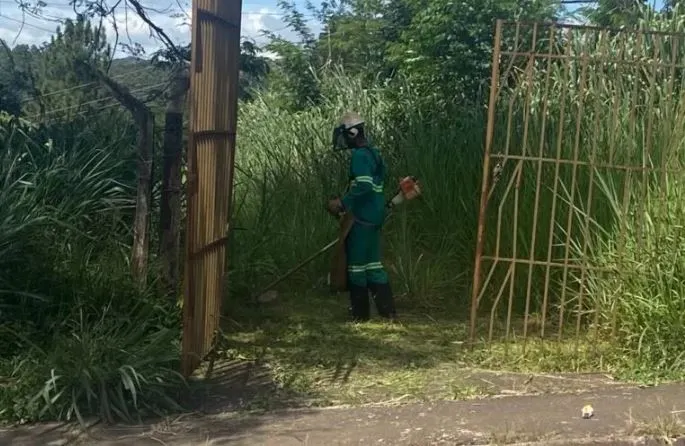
(365, 196)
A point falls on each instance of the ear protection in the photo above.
(339, 135)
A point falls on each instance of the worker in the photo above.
(365, 200)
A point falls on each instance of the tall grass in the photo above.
(609, 106)
(77, 338)
(638, 301)
(286, 171)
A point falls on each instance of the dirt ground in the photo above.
(514, 408)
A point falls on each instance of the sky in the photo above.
(258, 15)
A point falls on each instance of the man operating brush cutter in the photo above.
(362, 211)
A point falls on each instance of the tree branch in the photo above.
(120, 92)
(160, 32)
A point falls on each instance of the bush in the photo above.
(77, 337)
(119, 367)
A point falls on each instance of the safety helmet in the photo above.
(348, 126)
(351, 120)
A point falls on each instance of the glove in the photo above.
(335, 207)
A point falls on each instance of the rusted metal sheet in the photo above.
(211, 154)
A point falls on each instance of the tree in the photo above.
(17, 76)
(356, 36)
(253, 70)
(56, 77)
(616, 13)
(170, 214)
(10, 82)
(103, 11)
(253, 67)
(446, 48)
(293, 78)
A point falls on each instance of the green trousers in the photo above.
(363, 249)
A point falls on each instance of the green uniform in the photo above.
(366, 201)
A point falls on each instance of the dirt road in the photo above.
(620, 412)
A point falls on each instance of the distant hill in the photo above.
(136, 73)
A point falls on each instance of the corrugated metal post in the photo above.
(211, 150)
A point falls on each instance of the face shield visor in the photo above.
(339, 138)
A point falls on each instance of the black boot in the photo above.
(359, 303)
(385, 301)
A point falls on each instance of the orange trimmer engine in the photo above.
(409, 189)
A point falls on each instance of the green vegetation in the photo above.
(78, 337)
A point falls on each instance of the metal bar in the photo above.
(487, 279)
(598, 113)
(557, 165)
(580, 27)
(633, 131)
(538, 181)
(524, 261)
(571, 210)
(526, 125)
(506, 280)
(623, 229)
(505, 74)
(210, 246)
(480, 237)
(206, 134)
(647, 152)
(614, 121)
(663, 183)
(204, 15)
(588, 212)
(500, 208)
(579, 163)
(512, 281)
(595, 59)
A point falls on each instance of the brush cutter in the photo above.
(409, 188)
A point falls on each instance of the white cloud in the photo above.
(16, 28)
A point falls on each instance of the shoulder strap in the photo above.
(377, 160)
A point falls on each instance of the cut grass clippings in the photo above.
(312, 351)
(313, 354)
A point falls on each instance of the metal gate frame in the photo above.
(584, 66)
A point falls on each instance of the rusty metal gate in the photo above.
(585, 132)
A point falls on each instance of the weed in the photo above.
(665, 429)
(78, 338)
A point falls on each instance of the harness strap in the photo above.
(376, 173)
(377, 162)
